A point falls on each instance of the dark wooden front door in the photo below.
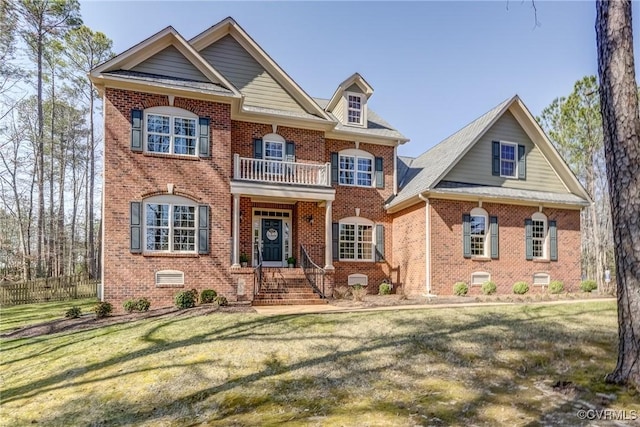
(272, 239)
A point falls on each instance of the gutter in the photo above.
(427, 245)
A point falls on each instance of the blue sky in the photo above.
(434, 66)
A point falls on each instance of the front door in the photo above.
(272, 240)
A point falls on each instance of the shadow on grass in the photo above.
(439, 371)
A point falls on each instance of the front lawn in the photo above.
(18, 316)
(511, 365)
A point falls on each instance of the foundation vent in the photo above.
(169, 278)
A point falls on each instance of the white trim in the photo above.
(285, 194)
(172, 113)
(363, 109)
(171, 201)
(544, 276)
(287, 224)
(356, 222)
(480, 212)
(357, 154)
(540, 217)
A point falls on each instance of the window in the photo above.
(356, 239)
(508, 160)
(539, 235)
(170, 225)
(354, 109)
(355, 168)
(479, 238)
(273, 150)
(170, 130)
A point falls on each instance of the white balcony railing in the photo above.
(276, 172)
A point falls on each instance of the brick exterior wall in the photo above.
(409, 248)
(448, 265)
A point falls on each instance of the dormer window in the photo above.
(355, 113)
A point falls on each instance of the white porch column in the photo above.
(328, 237)
(236, 231)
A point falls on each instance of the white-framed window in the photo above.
(170, 224)
(539, 235)
(274, 147)
(356, 239)
(508, 160)
(355, 109)
(355, 168)
(479, 233)
(170, 130)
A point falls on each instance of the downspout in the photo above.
(395, 170)
(427, 244)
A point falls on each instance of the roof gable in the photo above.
(167, 44)
(354, 83)
(429, 169)
(229, 27)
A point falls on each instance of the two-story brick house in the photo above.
(214, 156)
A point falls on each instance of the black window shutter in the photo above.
(495, 153)
(203, 229)
(335, 239)
(466, 235)
(136, 130)
(379, 242)
(203, 142)
(553, 241)
(334, 168)
(379, 173)
(495, 254)
(257, 148)
(522, 163)
(290, 151)
(135, 227)
(528, 238)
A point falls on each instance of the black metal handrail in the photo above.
(313, 273)
(258, 274)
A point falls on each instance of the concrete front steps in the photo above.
(286, 286)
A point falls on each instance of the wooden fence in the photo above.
(48, 289)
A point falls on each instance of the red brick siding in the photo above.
(130, 176)
(449, 266)
(409, 248)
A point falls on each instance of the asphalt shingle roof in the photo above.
(171, 81)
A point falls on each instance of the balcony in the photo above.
(277, 172)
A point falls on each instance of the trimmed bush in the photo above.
(460, 289)
(102, 309)
(185, 299)
(556, 287)
(73, 313)
(588, 285)
(207, 296)
(520, 288)
(143, 304)
(221, 300)
(384, 289)
(132, 305)
(489, 288)
(341, 292)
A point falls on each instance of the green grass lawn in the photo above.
(17, 316)
(481, 366)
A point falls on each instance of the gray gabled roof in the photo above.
(170, 81)
(376, 125)
(423, 172)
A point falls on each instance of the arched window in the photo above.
(170, 130)
(274, 147)
(539, 235)
(479, 232)
(355, 168)
(170, 224)
(356, 239)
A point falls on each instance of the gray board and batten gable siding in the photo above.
(245, 73)
(170, 62)
(475, 166)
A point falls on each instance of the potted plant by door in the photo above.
(291, 261)
(244, 259)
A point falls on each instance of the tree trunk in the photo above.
(621, 124)
(594, 229)
(40, 162)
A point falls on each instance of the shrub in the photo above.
(102, 309)
(185, 299)
(221, 300)
(384, 289)
(358, 291)
(588, 285)
(132, 305)
(207, 296)
(73, 313)
(341, 292)
(556, 287)
(520, 288)
(460, 289)
(489, 288)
